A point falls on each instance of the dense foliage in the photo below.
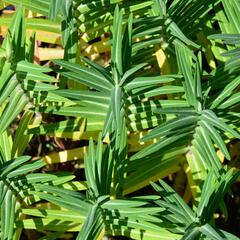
(101, 100)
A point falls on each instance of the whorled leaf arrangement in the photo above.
(183, 117)
(17, 184)
(24, 85)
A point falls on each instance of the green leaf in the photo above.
(7, 215)
(65, 198)
(26, 168)
(54, 214)
(176, 31)
(215, 121)
(227, 38)
(117, 61)
(99, 69)
(185, 61)
(228, 235)
(116, 104)
(130, 72)
(210, 232)
(85, 76)
(9, 88)
(127, 44)
(12, 165)
(227, 91)
(171, 125)
(215, 136)
(233, 100)
(172, 197)
(162, 143)
(93, 225)
(55, 8)
(144, 82)
(17, 102)
(90, 169)
(23, 66)
(21, 139)
(191, 234)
